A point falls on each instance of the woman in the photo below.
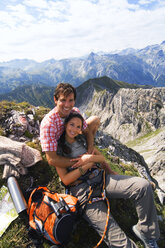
(72, 144)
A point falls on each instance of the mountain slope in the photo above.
(41, 95)
(35, 94)
(86, 91)
(126, 113)
(152, 148)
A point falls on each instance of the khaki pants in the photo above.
(125, 187)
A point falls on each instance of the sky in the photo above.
(46, 29)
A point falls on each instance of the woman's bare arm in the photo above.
(70, 177)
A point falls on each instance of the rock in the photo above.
(121, 153)
(20, 126)
(128, 113)
(152, 149)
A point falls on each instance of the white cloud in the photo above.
(43, 29)
(40, 4)
(146, 1)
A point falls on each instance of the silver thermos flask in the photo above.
(16, 194)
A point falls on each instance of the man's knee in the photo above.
(93, 123)
(144, 187)
(145, 184)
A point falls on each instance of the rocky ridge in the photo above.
(127, 113)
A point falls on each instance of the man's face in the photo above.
(65, 104)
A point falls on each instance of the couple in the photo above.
(62, 141)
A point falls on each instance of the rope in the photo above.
(98, 199)
(106, 225)
(108, 214)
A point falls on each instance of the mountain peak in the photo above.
(92, 54)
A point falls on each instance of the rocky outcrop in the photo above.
(129, 113)
(20, 126)
(152, 149)
(122, 154)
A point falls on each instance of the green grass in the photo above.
(143, 139)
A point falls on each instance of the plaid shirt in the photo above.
(52, 126)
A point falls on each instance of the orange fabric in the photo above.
(43, 214)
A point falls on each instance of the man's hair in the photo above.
(64, 89)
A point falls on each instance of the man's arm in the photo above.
(90, 139)
(93, 124)
(58, 161)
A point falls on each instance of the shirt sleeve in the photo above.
(47, 137)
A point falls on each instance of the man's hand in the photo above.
(82, 160)
(107, 168)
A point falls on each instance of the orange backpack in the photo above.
(52, 215)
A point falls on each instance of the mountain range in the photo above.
(42, 95)
(135, 66)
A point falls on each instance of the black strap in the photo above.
(36, 238)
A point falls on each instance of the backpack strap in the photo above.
(36, 238)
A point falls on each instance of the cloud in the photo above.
(43, 29)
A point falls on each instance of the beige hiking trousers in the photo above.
(121, 187)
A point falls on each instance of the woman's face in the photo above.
(73, 128)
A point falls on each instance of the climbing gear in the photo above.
(52, 214)
(91, 200)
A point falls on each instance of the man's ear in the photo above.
(55, 100)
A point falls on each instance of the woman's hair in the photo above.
(64, 89)
(73, 115)
(61, 142)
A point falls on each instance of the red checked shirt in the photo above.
(52, 126)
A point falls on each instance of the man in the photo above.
(52, 125)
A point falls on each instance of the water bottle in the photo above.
(16, 194)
